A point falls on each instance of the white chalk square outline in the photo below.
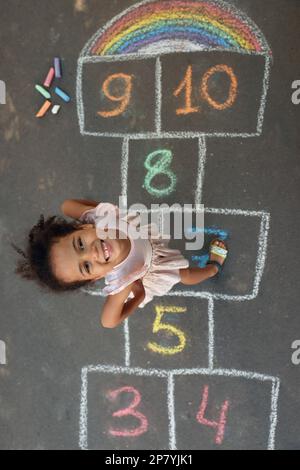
(158, 134)
(210, 335)
(169, 375)
(260, 259)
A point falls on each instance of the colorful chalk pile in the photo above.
(54, 72)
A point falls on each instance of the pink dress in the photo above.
(149, 258)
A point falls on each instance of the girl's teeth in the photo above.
(105, 250)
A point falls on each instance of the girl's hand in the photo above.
(118, 307)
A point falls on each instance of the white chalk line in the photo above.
(94, 59)
(79, 97)
(170, 135)
(261, 112)
(124, 167)
(171, 413)
(274, 413)
(262, 252)
(201, 170)
(229, 8)
(155, 372)
(127, 343)
(83, 421)
(169, 375)
(158, 96)
(2, 353)
(211, 334)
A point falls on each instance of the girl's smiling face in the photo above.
(82, 256)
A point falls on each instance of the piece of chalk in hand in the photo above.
(55, 109)
(57, 67)
(43, 109)
(43, 92)
(49, 78)
(62, 94)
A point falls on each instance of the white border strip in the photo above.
(158, 95)
(124, 167)
(127, 343)
(139, 371)
(201, 170)
(171, 413)
(273, 415)
(166, 135)
(149, 55)
(83, 421)
(266, 80)
(211, 333)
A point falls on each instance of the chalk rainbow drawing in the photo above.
(186, 25)
(150, 29)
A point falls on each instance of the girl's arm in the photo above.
(115, 308)
(75, 207)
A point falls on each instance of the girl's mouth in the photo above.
(107, 250)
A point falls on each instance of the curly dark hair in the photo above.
(36, 265)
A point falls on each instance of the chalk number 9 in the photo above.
(123, 99)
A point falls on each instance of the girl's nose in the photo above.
(89, 254)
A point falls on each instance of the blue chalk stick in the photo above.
(62, 94)
(57, 67)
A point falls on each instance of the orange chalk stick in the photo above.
(43, 109)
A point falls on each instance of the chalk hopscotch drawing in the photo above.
(147, 34)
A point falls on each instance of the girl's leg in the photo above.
(191, 276)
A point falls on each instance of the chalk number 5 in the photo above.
(158, 326)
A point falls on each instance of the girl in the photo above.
(70, 255)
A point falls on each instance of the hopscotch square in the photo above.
(127, 79)
(150, 177)
(98, 422)
(246, 408)
(172, 332)
(173, 398)
(242, 274)
(246, 261)
(246, 72)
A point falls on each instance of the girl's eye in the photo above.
(80, 243)
(87, 267)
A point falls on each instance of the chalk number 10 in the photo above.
(125, 83)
